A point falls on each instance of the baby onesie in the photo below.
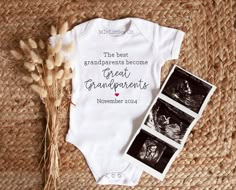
(117, 67)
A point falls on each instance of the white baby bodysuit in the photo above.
(117, 68)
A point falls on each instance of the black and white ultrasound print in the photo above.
(168, 120)
(186, 89)
(151, 151)
(171, 117)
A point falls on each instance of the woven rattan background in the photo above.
(208, 160)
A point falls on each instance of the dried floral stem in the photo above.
(53, 152)
(47, 77)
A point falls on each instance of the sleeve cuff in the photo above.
(177, 44)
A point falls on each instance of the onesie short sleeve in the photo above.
(167, 42)
(116, 73)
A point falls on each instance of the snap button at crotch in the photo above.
(115, 175)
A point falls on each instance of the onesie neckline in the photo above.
(118, 24)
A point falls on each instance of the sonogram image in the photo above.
(186, 89)
(168, 120)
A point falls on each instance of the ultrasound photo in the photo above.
(164, 129)
(168, 120)
(186, 89)
(151, 151)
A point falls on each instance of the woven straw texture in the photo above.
(208, 160)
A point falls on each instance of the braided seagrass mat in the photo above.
(208, 160)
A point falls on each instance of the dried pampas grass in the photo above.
(16, 55)
(40, 90)
(64, 28)
(53, 30)
(48, 73)
(32, 43)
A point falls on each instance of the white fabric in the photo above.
(111, 98)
